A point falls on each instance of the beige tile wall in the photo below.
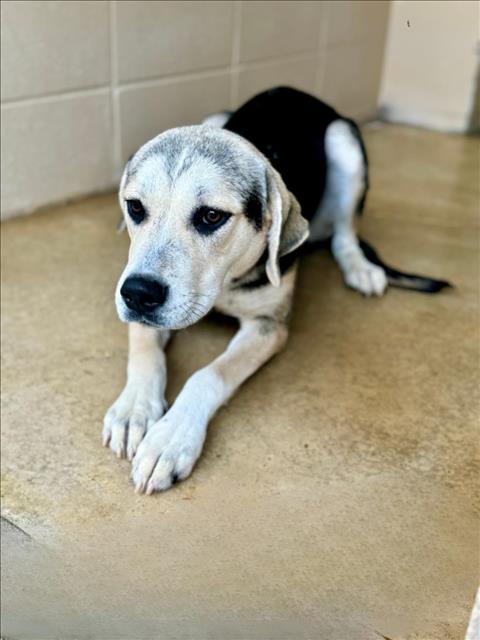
(431, 63)
(84, 84)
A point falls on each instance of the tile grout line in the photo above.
(214, 71)
(160, 81)
(114, 101)
(385, 57)
(234, 64)
(65, 95)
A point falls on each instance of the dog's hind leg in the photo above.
(345, 191)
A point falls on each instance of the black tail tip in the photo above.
(416, 283)
(435, 286)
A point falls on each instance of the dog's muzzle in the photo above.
(143, 295)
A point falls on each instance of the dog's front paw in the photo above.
(367, 278)
(168, 453)
(136, 409)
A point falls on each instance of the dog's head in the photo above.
(201, 206)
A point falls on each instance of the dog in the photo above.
(218, 215)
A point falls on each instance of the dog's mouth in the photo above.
(181, 319)
(148, 323)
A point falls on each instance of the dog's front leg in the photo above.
(142, 402)
(172, 446)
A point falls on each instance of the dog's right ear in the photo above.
(288, 228)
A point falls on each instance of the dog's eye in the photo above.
(136, 210)
(212, 216)
(207, 220)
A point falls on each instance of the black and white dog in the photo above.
(218, 214)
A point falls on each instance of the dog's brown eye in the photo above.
(207, 221)
(136, 206)
(136, 210)
(212, 217)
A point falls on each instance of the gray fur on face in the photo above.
(239, 163)
(173, 175)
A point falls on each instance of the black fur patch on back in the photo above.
(288, 127)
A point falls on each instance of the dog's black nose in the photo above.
(143, 295)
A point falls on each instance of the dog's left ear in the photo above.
(288, 228)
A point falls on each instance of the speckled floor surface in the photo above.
(337, 495)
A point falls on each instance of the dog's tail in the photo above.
(403, 280)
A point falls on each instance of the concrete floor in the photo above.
(337, 495)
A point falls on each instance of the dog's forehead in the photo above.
(199, 158)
